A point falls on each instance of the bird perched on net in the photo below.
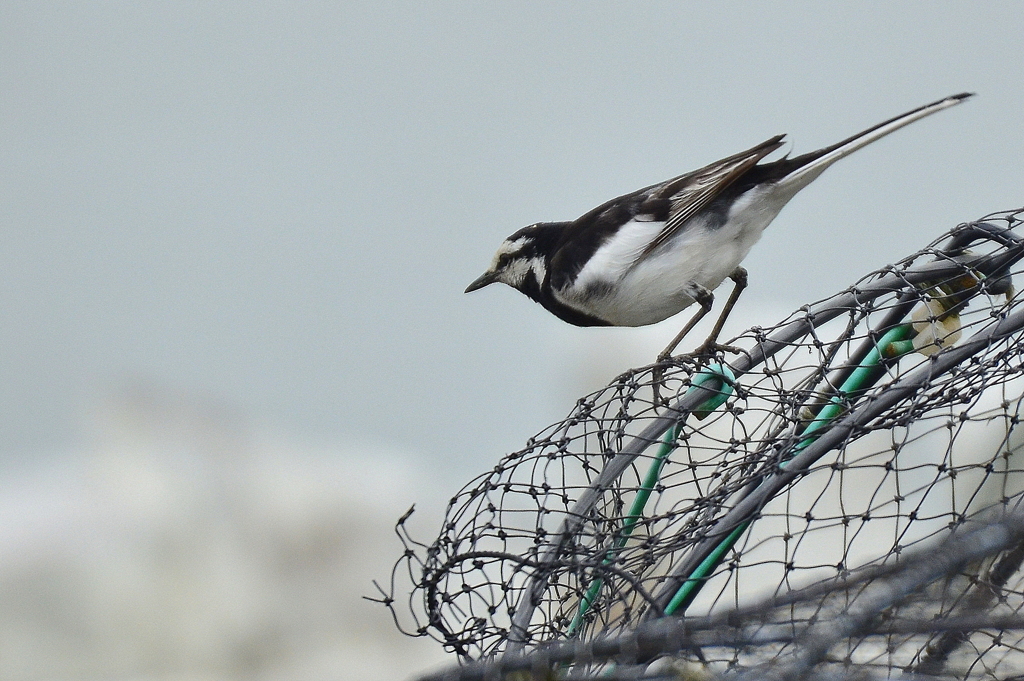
(647, 255)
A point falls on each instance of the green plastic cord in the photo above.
(891, 345)
(635, 513)
(716, 372)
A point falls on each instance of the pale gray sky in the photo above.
(280, 204)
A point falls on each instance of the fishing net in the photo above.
(734, 504)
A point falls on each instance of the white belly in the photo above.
(615, 289)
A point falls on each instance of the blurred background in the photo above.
(234, 346)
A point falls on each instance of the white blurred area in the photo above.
(184, 541)
(184, 544)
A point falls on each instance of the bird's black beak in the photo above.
(485, 279)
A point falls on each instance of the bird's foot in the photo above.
(708, 350)
(714, 348)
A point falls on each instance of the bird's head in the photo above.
(521, 255)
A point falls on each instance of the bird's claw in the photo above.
(713, 349)
(707, 350)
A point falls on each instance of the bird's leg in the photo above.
(710, 345)
(705, 299)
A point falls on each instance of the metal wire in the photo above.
(871, 605)
(869, 424)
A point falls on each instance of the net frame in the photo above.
(551, 544)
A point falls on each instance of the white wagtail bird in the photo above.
(645, 256)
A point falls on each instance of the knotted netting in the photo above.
(813, 457)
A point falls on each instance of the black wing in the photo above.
(692, 192)
(675, 201)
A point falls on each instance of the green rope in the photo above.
(893, 343)
(862, 378)
(717, 372)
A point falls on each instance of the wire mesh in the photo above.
(873, 623)
(815, 457)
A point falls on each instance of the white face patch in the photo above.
(515, 271)
(512, 267)
(508, 248)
